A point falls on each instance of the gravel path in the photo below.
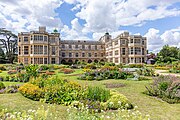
(165, 72)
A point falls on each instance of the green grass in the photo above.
(16, 102)
(156, 108)
(12, 83)
(3, 74)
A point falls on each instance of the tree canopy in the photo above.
(168, 54)
(8, 41)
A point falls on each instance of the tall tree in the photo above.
(8, 42)
(168, 54)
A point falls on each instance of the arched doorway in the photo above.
(102, 60)
(76, 61)
(70, 62)
(63, 61)
(96, 61)
(89, 61)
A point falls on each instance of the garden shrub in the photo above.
(136, 65)
(90, 66)
(31, 91)
(146, 72)
(32, 70)
(3, 68)
(98, 94)
(116, 101)
(2, 86)
(44, 67)
(10, 89)
(105, 74)
(162, 68)
(165, 87)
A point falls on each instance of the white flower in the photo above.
(111, 103)
(108, 117)
(135, 107)
(119, 102)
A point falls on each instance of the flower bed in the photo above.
(55, 90)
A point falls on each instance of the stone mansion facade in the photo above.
(41, 47)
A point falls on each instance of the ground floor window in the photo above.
(53, 61)
(116, 60)
(38, 60)
(45, 60)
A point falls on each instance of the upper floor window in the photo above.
(26, 50)
(63, 54)
(95, 47)
(45, 38)
(131, 41)
(142, 42)
(31, 49)
(142, 51)
(137, 41)
(25, 39)
(89, 54)
(45, 50)
(116, 42)
(70, 46)
(83, 46)
(19, 39)
(110, 53)
(123, 42)
(53, 50)
(102, 54)
(83, 54)
(76, 54)
(70, 54)
(95, 54)
(76, 46)
(137, 50)
(116, 52)
(52, 39)
(89, 47)
(123, 51)
(38, 49)
(19, 50)
(132, 50)
(63, 46)
(38, 37)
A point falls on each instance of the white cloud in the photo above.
(156, 40)
(107, 14)
(24, 15)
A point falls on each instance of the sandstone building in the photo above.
(41, 47)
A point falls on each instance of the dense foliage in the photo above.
(106, 72)
(165, 87)
(168, 54)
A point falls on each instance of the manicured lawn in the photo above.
(16, 102)
(156, 108)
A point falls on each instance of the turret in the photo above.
(105, 38)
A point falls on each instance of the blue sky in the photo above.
(158, 20)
